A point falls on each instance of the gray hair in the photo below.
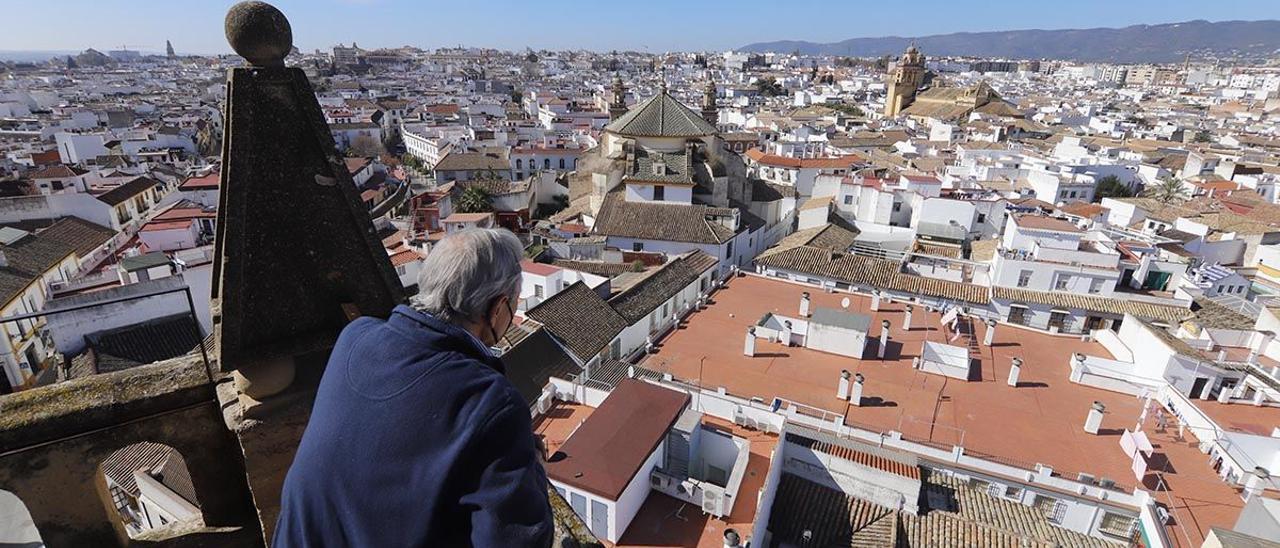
(466, 271)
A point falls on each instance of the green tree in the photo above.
(474, 200)
(1110, 187)
(1167, 191)
(768, 87)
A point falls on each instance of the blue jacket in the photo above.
(416, 439)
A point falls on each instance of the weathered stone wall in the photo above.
(53, 439)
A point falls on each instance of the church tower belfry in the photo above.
(618, 102)
(709, 111)
(906, 80)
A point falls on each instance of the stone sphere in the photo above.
(259, 32)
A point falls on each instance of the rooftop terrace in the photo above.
(1039, 421)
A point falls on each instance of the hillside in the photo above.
(1136, 44)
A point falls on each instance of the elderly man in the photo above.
(417, 438)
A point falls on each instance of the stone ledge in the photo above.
(97, 401)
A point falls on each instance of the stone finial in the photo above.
(259, 32)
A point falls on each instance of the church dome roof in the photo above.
(661, 116)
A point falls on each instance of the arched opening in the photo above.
(148, 486)
(17, 529)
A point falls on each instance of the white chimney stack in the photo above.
(1094, 421)
(875, 300)
(856, 397)
(991, 333)
(1014, 371)
(1256, 483)
(906, 319)
(884, 337)
(786, 333)
(749, 347)
(843, 392)
(731, 539)
(804, 305)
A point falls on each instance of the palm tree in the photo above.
(1167, 191)
(474, 200)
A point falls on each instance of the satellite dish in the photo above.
(844, 303)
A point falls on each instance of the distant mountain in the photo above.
(1137, 44)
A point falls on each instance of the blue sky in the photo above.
(195, 26)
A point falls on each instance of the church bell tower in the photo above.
(906, 80)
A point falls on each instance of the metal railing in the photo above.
(191, 313)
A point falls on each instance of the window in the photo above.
(637, 246)
(519, 163)
(1063, 282)
(1024, 278)
(848, 199)
(659, 193)
(1012, 492)
(1116, 525)
(1095, 286)
(982, 218)
(537, 290)
(897, 206)
(1053, 509)
(57, 185)
(1018, 315)
(546, 163)
(400, 270)
(562, 163)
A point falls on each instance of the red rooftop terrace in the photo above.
(1040, 421)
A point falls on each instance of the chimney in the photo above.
(4, 260)
(875, 301)
(842, 393)
(1094, 420)
(990, 337)
(731, 539)
(1257, 482)
(785, 335)
(906, 318)
(884, 337)
(749, 347)
(804, 305)
(856, 397)
(1014, 371)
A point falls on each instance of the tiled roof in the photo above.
(827, 236)
(119, 194)
(807, 513)
(978, 515)
(30, 257)
(963, 518)
(855, 269)
(1215, 316)
(56, 172)
(1149, 311)
(642, 298)
(677, 167)
(580, 319)
(144, 343)
(653, 221)
(593, 267)
(611, 372)
(661, 116)
(902, 464)
(534, 360)
(82, 236)
(161, 461)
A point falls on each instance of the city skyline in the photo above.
(682, 27)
